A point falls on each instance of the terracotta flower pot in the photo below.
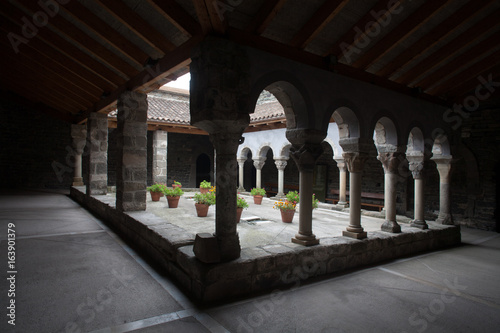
(204, 190)
(201, 209)
(173, 202)
(174, 186)
(238, 214)
(287, 215)
(257, 199)
(155, 196)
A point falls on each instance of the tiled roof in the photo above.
(172, 106)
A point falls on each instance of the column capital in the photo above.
(390, 161)
(281, 163)
(416, 165)
(226, 143)
(79, 136)
(341, 164)
(355, 161)
(259, 162)
(241, 161)
(306, 155)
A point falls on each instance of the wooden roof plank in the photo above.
(267, 12)
(177, 15)
(486, 25)
(317, 22)
(433, 37)
(468, 87)
(137, 24)
(411, 24)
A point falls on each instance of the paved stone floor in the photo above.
(76, 275)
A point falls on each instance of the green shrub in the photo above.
(205, 184)
(258, 191)
(173, 192)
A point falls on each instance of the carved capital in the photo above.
(416, 166)
(355, 161)
(258, 163)
(390, 161)
(280, 164)
(79, 136)
(306, 155)
(226, 143)
(341, 165)
(241, 161)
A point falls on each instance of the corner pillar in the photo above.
(416, 166)
(281, 165)
(131, 175)
(390, 162)
(79, 136)
(444, 167)
(97, 134)
(160, 143)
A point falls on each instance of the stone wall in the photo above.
(36, 149)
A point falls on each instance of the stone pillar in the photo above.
(131, 171)
(79, 136)
(416, 166)
(160, 143)
(355, 161)
(241, 173)
(258, 163)
(390, 162)
(443, 164)
(342, 183)
(281, 165)
(97, 134)
(305, 151)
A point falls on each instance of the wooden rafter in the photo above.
(94, 23)
(84, 41)
(317, 22)
(411, 24)
(137, 24)
(460, 62)
(174, 12)
(446, 51)
(210, 16)
(267, 12)
(433, 37)
(468, 87)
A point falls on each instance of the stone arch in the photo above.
(244, 152)
(416, 142)
(385, 135)
(263, 149)
(290, 93)
(441, 144)
(347, 123)
(284, 151)
(337, 150)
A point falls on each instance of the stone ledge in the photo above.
(265, 267)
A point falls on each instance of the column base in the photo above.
(342, 204)
(391, 226)
(421, 224)
(355, 235)
(78, 181)
(305, 240)
(241, 189)
(446, 219)
(280, 196)
(229, 247)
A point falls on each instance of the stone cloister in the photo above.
(226, 80)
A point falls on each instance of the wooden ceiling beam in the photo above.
(488, 24)
(349, 38)
(177, 15)
(411, 24)
(326, 13)
(95, 24)
(471, 72)
(217, 19)
(435, 36)
(267, 12)
(468, 88)
(286, 51)
(137, 24)
(462, 61)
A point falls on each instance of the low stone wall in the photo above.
(261, 268)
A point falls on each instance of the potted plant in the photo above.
(156, 191)
(287, 209)
(202, 202)
(241, 204)
(205, 186)
(258, 194)
(315, 201)
(173, 195)
(176, 184)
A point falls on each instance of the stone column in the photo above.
(443, 164)
(97, 134)
(281, 165)
(241, 173)
(342, 182)
(79, 136)
(131, 171)
(416, 166)
(390, 162)
(355, 161)
(160, 143)
(305, 151)
(258, 163)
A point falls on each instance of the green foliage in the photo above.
(315, 201)
(258, 191)
(205, 184)
(205, 198)
(173, 192)
(157, 187)
(177, 183)
(241, 202)
(293, 196)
